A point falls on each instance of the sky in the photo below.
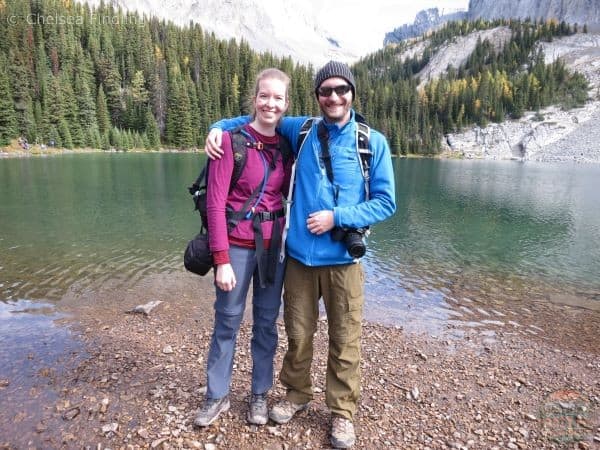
(375, 17)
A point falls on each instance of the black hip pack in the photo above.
(197, 257)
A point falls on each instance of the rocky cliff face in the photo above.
(571, 11)
(550, 135)
(284, 28)
(425, 20)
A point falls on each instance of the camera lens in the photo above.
(355, 245)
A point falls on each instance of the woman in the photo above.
(248, 249)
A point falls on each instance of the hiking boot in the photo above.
(342, 432)
(210, 411)
(283, 411)
(258, 413)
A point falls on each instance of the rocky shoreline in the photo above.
(550, 135)
(140, 378)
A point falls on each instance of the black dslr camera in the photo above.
(352, 238)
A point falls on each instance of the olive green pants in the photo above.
(341, 288)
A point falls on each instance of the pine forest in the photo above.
(73, 76)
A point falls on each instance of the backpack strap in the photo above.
(365, 155)
(240, 141)
(304, 130)
(247, 212)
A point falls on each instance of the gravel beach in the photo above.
(138, 380)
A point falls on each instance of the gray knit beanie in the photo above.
(335, 69)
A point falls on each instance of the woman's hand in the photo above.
(225, 278)
(212, 146)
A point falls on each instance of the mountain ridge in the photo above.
(283, 28)
(425, 21)
(299, 31)
(570, 11)
(581, 12)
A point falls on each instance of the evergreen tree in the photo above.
(71, 113)
(102, 111)
(87, 111)
(65, 134)
(114, 100)
(116, 139)
(139, 97)
(105, 140)
(159, 92)
(172, 122)
(53, 110)
(152, 132)
(184, 136)
(22, 102)
(8, 121)
(92, 138)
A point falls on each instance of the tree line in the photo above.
(492, 85)
(75, 76)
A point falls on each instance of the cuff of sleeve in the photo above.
(221, 257)
(336, 217)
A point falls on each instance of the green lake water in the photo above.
(465, 232)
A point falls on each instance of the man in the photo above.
(328, 204)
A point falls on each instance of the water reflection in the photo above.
(88, 218)
(496, 234)
(487, 232)
(33, 353)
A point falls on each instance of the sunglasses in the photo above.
(326, 91)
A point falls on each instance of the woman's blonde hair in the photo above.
(265, 74)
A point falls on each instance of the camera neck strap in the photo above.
(323, 136)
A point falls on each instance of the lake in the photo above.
(472, 241)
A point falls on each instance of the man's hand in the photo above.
(320, 222)
(212, 146)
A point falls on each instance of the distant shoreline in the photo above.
(36, 151)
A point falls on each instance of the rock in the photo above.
(104, 405)
(71, 413)
(110, 428)
(146, 308)
(414, 392)
(274, 431)
(158, 442)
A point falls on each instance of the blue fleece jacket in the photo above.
(314, 192)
